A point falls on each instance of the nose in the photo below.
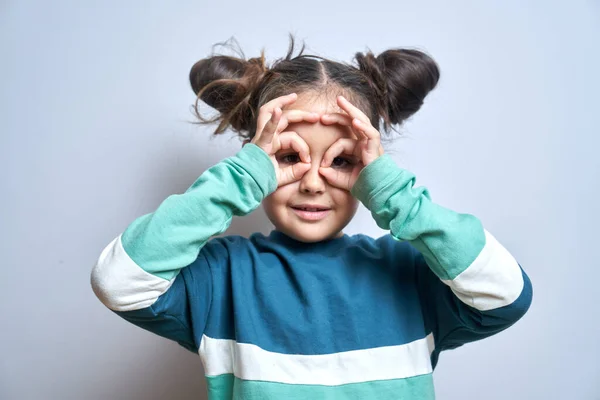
(312, 181)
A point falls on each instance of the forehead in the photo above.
(317, 135)
(314, 103)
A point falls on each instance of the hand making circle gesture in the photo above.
(366, 148)
(271, 121)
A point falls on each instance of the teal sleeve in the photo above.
(449, 241)
(170, 238)
(157, 274)
(469, 285)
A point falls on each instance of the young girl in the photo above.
(308, 311)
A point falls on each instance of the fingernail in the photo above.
(357, 121)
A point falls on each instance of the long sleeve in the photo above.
(138, 275)
(470, 286)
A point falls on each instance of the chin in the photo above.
(310, 234)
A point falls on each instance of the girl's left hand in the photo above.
(367, 148)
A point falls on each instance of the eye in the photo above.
(341, 162)
(291, 158)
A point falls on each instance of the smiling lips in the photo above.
(311, 212)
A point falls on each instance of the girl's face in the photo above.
(312, 188)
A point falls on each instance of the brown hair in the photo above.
(389, 87)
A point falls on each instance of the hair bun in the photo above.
(401, 79)
(226, 84)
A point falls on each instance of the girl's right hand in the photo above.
(270, 122)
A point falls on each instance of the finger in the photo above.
(351, 109)
(293, 173)
(294, 116)
(336, 178)
(342, 119)
(336, 118)
(342, 179)
(372, 145)
(340, 146)
(268, 132)
(265, 111)
(280, 101)
(291, 140)
(367, 130)
(300, 115)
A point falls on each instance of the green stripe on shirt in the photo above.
(449, 241)
(169, 239)
(227, 387)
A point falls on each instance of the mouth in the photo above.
(311, 213)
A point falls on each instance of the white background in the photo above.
(94, 124)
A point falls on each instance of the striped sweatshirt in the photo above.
(353, 317)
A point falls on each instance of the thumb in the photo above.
(292, 173)
(335, 178)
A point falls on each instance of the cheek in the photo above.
(345, 198)
(279, 197)
(269, 205)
